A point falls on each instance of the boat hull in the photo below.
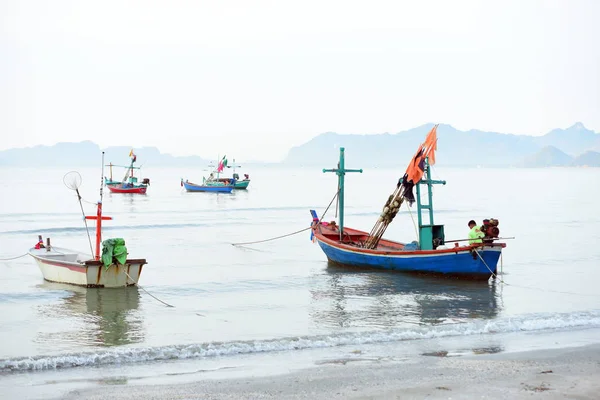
(477, 262)
(109, 182)
(242, 184)
(192, 187)
(120, 189)
(65, 266)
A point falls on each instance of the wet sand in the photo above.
(549, 374)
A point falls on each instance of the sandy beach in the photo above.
(550, 374)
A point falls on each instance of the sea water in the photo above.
(237, 305)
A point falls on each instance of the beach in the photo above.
(550, 374)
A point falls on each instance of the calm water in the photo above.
(282, 294)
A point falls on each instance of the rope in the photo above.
(274, 238)
(85, 222)
(293, 233)
(413, 220)
(138, 285)
(14, 258)
(488, 267)
(532, 287)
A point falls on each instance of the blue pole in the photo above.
(341, 172)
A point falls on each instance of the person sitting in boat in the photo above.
(246, 177)
(475, 233)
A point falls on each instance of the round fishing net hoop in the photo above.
(72, 180)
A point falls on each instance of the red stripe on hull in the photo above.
(76, 268)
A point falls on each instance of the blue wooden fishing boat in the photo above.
(239, 183)
(213, 187)
(471, 259)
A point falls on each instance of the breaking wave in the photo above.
(539, 322)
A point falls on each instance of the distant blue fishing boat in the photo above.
(218, 188)
(429, 254)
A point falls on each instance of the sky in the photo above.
(254, 78)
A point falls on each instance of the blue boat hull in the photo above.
(463, 263)
(478, 261)
(190, 187)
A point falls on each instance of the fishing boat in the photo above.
(212, 183)
(216, 187)
(129, 183)
(109, 268)
(469, 259)
(239, 183)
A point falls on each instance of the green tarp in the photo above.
(113, 248)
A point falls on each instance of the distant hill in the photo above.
(455, 147)
(87, 153)
(548, 156)
(588, 159)
(575, 145)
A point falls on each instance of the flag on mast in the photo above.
(222, 164)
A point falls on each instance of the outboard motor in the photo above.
(490, 229)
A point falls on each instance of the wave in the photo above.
(215, 349)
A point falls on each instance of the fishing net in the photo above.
(72, 180)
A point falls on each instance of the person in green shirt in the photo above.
(475, 233)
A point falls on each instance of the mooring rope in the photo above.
(532, 287)
(293, 233)
(141, 287)
(13, 258)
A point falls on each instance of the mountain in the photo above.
(573, 140)
(588, 159)
(455, 147)
(548, 156)
(87, 153)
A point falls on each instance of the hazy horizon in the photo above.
(258, 79)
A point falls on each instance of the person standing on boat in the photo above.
(475, 233)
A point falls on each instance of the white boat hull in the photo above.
(67, 266)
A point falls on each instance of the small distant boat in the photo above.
(213, 183)
(110, 269)
(212, 187)
(476, 260)
(129, 184)
(239, 183)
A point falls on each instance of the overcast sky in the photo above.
(252, 78)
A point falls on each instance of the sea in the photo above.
(234, 285)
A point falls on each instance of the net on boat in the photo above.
(404, 188)
(72, 180)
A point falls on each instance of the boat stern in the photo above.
(115, 275)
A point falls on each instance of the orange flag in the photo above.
(430, 145)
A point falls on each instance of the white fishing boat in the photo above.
(68, 266)
(112, 268)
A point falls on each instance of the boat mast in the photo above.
(99, 217)
(428, 232)
(341, 172)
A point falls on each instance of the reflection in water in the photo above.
(351, 297)
(97, 317)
